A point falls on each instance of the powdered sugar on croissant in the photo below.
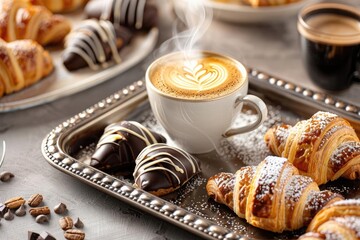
(271, 196)
(324, 147)
(340, 220)
(23, 63)
(19, 19)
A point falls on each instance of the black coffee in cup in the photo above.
(330, 43)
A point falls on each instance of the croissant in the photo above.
(22, 63)
(134, 14)
(19, 19)
(58, 6)
(272, 196)
(120, 144)
(339, 220)
(324, 147)
(161, 169)
(94, 43)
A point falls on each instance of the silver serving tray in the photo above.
(69, 146)
(61, 83)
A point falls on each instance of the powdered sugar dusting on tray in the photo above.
(249, 148)
(84, 155)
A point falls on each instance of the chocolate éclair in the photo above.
(120, 144)
(161, 169)
(93, 44)
(134, 14)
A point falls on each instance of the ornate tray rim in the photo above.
(52, 150)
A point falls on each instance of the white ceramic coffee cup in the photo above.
(197, 126)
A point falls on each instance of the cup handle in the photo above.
(261, 111)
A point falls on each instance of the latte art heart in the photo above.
(196, 76)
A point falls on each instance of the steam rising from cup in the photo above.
(193, 20)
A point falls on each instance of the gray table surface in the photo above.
(273, 48)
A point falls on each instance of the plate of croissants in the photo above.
(51, 49)
(256, 11)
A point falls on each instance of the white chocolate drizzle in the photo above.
(125, 12)
(114, 132)
(88, 42)
(156, 162)
(140, 14)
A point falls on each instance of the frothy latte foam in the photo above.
(197, 76)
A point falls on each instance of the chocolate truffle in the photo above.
(134, 14)
(93, 44)
(161, 169)
(120, 144)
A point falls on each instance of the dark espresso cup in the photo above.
(330, 44)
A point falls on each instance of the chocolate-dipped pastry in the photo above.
(161, 169)
(120, 144)
(134, 14)
(93, 44)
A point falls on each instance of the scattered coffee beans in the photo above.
(35, 200)
(66, 223)
(41, 218)
(60, 208)
(74, 234)
(20, 211)
(78, 223)
(33, 235)
(6, 176)
(39, 210)
(41, 214)
(9, 215)
(14, 202)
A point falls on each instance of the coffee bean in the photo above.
(46, 236)
(33, 235)
(66, 223)
(78, 223)
(74, 234)
(3, 210)
(60, 208)
(20, 211)
(42, 218)
(9, 215)
(6, 176)
(35, 200)
(39, 210)
(14, 202)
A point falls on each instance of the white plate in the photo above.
(62, 83)
(246, 14)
